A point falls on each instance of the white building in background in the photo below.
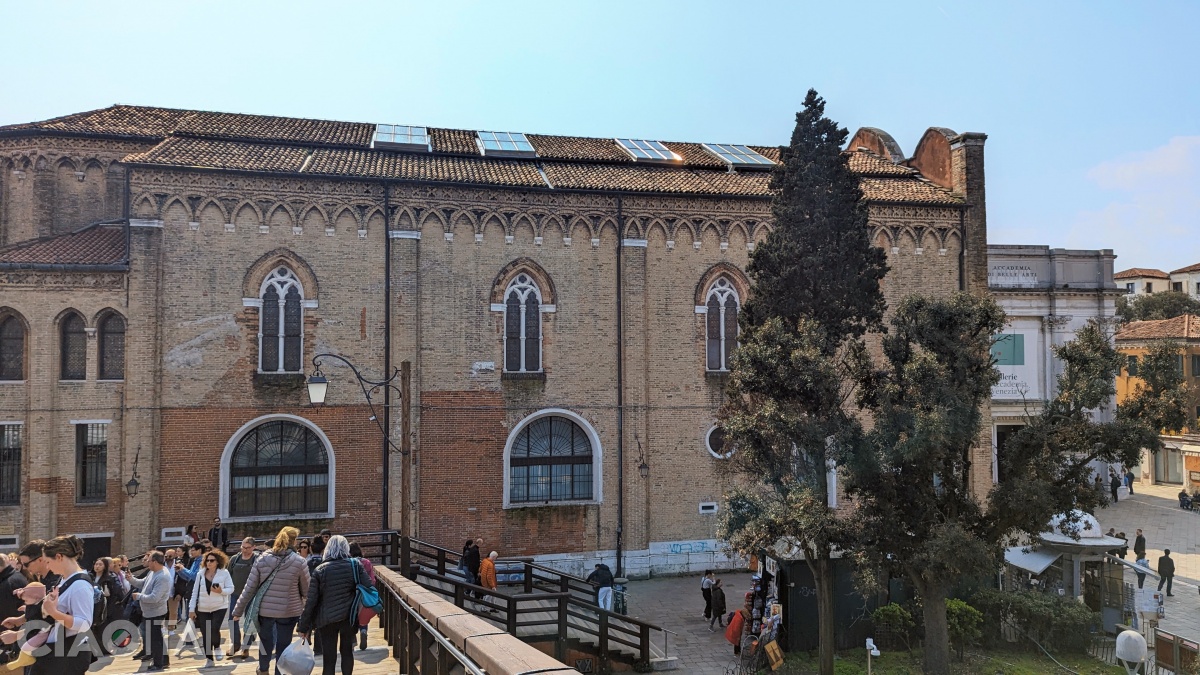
(1143, 280)
(1048, 294)
(1186, 280)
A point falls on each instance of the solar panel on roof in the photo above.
(504, 143)
(737, 155)
(400, 137)
(648, 150)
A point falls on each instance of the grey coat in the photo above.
(285, 597)
(155, 588)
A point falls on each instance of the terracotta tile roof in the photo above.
(907, 190)
(1185, 270)
(771, 152)
(1186, 327)
(211, 154)
(425, 167)
(1137, 272)
(235, 126)
(867, 163)
(454, 141)
(93, 245)
(117, 120)
(578, 148)
(654, 179)
(694, 154)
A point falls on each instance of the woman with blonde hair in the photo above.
(274, 596)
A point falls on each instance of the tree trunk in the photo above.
(937, 632)
(822, 569)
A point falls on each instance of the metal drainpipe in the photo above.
(620, 398)
(387, 350)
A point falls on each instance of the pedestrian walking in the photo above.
(1166, 571)
(1129, 480)
(1144, 564)
(462, 559)
(602, 579)
(327, 608)
(282, 576)
(1125, 547)
(487, 576)
(1113, 484)
(239, 571)
(706, 583)
(209, 603)
(473, 562)
(1139, 544)
(218, 536)
(718, 605)
(70, 607)
(364, 615)
(109, 597)
(151, 592)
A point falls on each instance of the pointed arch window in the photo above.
(721, 323)
(522, 326)
(112, 347)
(281, 323)
(12, 349)
(73, 348)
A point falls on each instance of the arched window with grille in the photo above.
(112, 347)
(278, 467)
(73, 348)
(522, 326)
(12, 348)
(721, 327)
(281, 323)
(552, 457)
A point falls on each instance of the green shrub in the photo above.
(962, 621)
(895, 622)
(1058, 624)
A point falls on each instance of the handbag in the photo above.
(297, 659)
(250, 627)
(366, 598)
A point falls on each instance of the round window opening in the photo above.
(718, 445)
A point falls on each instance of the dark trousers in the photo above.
(275, 635)
(1166, 579)
(1141, 580)
(707, 593)
(1113, 491)
(337, 638)
(154, 638)
(209, 623)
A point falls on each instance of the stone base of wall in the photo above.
(665, 558)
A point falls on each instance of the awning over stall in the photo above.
(1034, 561)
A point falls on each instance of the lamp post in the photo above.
(318, 387)
(131, 487)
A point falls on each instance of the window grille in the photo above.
(112, 348)
(721, 324)
(550, 461)
(91, 462)
(12, 349)
(74, 348)
(522, 326)
(281, 329)
(279, 468)
(10, 464)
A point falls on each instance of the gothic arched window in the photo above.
(522, 326)
(112, 347)
(279, 467)
(281, 323)
(12, 349)
(73, 348)
(721, 326)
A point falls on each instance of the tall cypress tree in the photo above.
(815, 293)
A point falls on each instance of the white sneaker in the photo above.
(218, 654)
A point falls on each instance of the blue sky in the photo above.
(1092, 108)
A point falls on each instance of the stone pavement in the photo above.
(375, 660)
(1155, 509)
(675, 604)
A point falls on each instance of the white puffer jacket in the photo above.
(206, 600)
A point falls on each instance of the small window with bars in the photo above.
(12, 349)
(112, 347)
(10, 464)
(74, 348)
(91, 461)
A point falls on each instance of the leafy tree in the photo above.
(815, 294)
(963, 621)
(1166, 305)
(1159, 398)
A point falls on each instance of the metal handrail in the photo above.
(463, 660)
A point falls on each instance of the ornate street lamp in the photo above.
(318, 387)
(131, 487)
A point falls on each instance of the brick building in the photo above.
(567, 306)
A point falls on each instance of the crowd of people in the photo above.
(59, 618)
